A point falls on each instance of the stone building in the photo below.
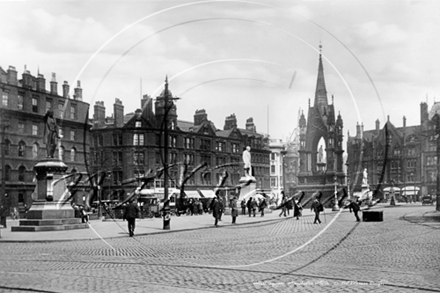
(24, 102)
(130, 146)
(395, 157)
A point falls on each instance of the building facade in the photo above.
(24, 103)
(395, 157)
(131, 146)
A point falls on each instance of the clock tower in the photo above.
(321, 161)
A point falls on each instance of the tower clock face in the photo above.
(317, 124)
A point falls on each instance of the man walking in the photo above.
(353, 205)
(317, 208)
(215, 208)
(130, 214)
(234, 209)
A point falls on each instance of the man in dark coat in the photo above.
(249, 206)
(317, 208)
(216, 210)
(130, 214)
(296, 209)
(234, 209)
(262, 206)
(353, 205)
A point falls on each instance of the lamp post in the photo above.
(348, 181)
(4, 123)
(434, 116)
(336, 206)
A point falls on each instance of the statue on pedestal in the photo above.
(247, 161)
(365, 177)
(51, 135)
(320, 155)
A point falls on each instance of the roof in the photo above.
(185, 125)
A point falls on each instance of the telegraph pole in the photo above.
(166, 206)
(4, 123)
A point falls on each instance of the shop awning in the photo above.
(147, 192)
(410, 190)
(390, 189)
(192, 194)
(207, 193)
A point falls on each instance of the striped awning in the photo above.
(207, 193)
(192, 194)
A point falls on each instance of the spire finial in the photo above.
(320, 48)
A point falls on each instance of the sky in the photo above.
(256, 58)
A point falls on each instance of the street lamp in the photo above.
(434, 116)
(336, 206)
(348, 181)
(4, 123)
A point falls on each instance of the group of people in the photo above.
(252, 204)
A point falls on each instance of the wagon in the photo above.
(427, 199)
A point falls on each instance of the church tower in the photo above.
(321, 153)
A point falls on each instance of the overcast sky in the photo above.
(249, 58)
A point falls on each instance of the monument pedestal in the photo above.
(50, 210)
(248, 187)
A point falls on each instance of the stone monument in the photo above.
(247, 183)
(49, 211)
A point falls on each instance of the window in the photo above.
(272, 168)
(173, 141)
(205, 144)
(206, 178)
(73, 112)
(21, 173)
(117, 177)
(34, 104)
(206, 158)
(73, 155)
(138, 139)
(411, 163)
(20, 127)
(35, 148)
(138, 158)
(48, 105)
(20, 102)
(117, 138)
(234, 147)
(7, 173)
(7, 147)
(72, 134)
(138, 124)
(5, 99)
(61, 132)
(189, 143)
(21, 149)
(272, 156)
(273, 182)
(173, 158)
(220, 146)
(61, 152)
(189, 159)
(61, 110)
(34, 129)
(117, 158)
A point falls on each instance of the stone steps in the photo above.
(49, 225)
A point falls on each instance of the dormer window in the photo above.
(138, 124)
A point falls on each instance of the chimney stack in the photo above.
(118, 112)
(66, 89)
(12, 75)
(99, 114)
(54, 85)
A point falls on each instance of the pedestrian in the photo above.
(254, 206)
(200, 207)
(262, 206)
(130, 214)
(283, 204)
(215, 208)
(289, 206)
(222, 208)
(353, 205)
(297, 209)
(317, 208)
(196, 208)
(249, 205)
(234, 209)
(243, 207)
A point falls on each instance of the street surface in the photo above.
(400, 254)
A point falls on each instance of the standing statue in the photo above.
(51, 135)
(320, 155)
(365, 179)
(247, 161)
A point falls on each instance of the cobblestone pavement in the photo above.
(287, 255)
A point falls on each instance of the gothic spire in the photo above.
(321, 92)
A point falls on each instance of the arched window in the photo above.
(61, 153)
(7, 173)
(21, 149)
(73, 154)
(35, 149)
(21, 173)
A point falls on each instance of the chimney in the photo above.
(423, 113)
(12, 75)
(404, 122)
(41, 83)
(66, 89)
(362, 128)
(99, 114)
(27, 78)
(230, 122)
(358, 130)
(200, 116)
(377, 126)
(78, 91)
(118, 113)
(54, 85)
(250, 125)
